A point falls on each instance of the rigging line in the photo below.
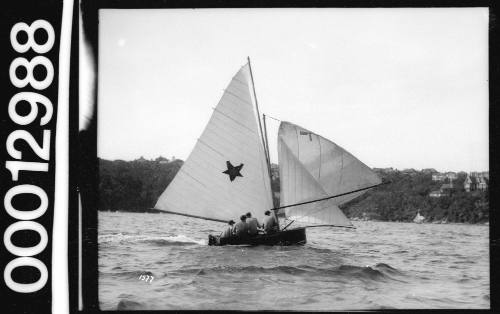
(311, 211)
(333, 196)
(193, 216)
(273, 118)
(288, 225)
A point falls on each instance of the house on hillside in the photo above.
(470, 183)
(451, 175)
(444, 190)
(438, 177)
(482, 183)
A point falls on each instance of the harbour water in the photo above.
(378, 265)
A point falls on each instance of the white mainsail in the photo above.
(311, 168)
(226, 174)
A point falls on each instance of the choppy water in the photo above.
(378, 265)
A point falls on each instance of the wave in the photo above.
(157, 240)
(378, 272)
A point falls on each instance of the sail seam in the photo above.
(221, 129)
(306, 171)
(192, 177)
(199, 140)
(252, 179)
(234, 149)
(240, 81)
(234, 95)
(200, 188)
(241, 203)
(217, 110)
(217, 168)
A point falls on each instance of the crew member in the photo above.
(253, 225)
(270, 224)
(241, 228)
(228, 232)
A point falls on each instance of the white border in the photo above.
(60, 284)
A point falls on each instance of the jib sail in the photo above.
(311, 168)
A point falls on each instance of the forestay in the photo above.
(226, 174)
(312, 167)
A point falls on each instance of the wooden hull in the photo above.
(287, 237)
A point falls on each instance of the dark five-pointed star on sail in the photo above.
(233, 171)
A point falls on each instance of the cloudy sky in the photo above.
(403, 88)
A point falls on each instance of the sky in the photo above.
(402, 88)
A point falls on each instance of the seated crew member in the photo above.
(270, 224)
(253, 225)
(228, 232)
(241, 228)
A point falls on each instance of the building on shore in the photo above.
(444, 190)
(482, 183)
(469, 184)
(477, 181)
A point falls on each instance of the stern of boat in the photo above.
(213, 240)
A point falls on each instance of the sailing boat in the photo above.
(228, 172)
(419, 218)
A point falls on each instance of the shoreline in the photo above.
(355, 219)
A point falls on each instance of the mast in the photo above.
(266, 143)
(264, 140)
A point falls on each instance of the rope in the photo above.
(273, 118)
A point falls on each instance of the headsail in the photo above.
(312, 167)
(226, 174)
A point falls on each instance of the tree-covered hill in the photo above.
(136, 185)
(406, 193)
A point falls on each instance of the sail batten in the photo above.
(225, 174)
(317, 176)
